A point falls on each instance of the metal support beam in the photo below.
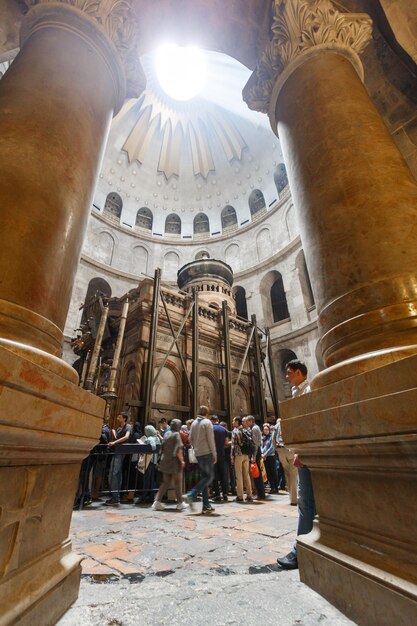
(258, 371)
(227, 358)
(273, 385)
(245, 356)
(175, 341)
(89, 383)
(151, 346)
(117, 351)
(194, 377)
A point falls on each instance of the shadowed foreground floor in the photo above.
(154, 568)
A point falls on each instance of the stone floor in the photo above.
(168, 567)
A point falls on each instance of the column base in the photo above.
(358, 437)
(30, 598)
(367, 595)
(47, 426)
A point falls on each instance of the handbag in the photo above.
(254, 470)
(191, 456)
(263, 470)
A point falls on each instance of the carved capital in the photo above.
(299, 29)
(117, 20)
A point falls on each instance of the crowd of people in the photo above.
(202, 457)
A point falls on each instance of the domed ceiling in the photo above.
(188, 158)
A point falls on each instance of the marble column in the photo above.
(356, 202)
(56, 104)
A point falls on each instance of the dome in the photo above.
(189, 170)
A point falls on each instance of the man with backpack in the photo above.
(243, 449)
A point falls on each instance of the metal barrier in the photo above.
(110, 471)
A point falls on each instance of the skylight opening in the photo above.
(181, 71)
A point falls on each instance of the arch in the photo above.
(263, 244)
(232, 256)
(241, 403)
(241, 304)
(208, 390)
(279, 300)
(127, 382)
(228, 217)
(280, 177)
(290, 222)
(256, 201)
(173, 224)
(113, 205)
(104, 248)
(171, 265)
(96, 287)
(283, 356)
(274, 300)
(167, 389)
(144, 218)
(303, 275)
(139, 260)
(201, 224)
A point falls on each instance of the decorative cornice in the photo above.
(301, 28)
(117, 20)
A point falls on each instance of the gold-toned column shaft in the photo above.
(56, 105)
(356, 201)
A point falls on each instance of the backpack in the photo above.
(247, 444)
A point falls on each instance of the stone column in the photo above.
(56, 104)
(356, 202)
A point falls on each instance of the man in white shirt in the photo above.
(297, 376)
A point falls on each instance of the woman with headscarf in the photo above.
(269, 457)
(147, 464)
(171, 465)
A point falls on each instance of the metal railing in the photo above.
(113, 472)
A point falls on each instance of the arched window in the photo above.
(280, 177)
(279, 300)
(113, 205)
(201, 224)
(144, 218)
(241, 304)
(173, 224)
(229, 217)
(256, 201)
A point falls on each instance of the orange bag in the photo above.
(254, 470)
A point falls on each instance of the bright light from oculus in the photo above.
(181, 71)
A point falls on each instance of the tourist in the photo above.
(297, 376)
(171, 465)
(241, 461)
(257, 440)
(164, 427)
(286, 458)
(269, 457)
(202, 440)
(147, 464)
(122, 435)
(220, 479)
(230, 470)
